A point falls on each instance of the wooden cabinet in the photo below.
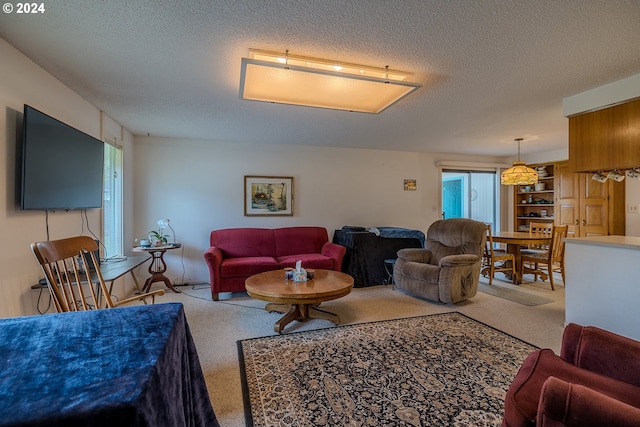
(605, 139)
(535, 204)
(588, 207)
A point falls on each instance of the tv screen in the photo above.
(62, 167)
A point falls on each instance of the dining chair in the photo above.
(496, 260)
(539, 228)
(73, 275)
(553, 258)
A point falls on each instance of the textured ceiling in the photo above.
(491, 70)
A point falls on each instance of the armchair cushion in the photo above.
(421, 271)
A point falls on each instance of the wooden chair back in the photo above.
(65, 265)
(545, 228)
(556, 252)
(492, 257)
(73, 275)
(489, 246)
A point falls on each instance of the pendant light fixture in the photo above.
(519, 173)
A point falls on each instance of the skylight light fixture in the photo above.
(298, 80)
(519, 173)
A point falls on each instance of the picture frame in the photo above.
(410, 185)
(268, 195)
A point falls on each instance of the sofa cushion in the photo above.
(244, 242)
(299, 240)
(524, 393)
(247, 266)
(308, 261)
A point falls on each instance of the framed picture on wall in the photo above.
(410, 185)
(268, 196)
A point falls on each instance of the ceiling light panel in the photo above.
(284, 79)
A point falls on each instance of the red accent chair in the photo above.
(594, 382)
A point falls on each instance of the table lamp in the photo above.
(164, 223)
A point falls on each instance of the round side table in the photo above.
(157, 267)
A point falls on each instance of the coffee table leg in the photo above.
(291, 315)
(277, 307)
(299, 312)
(316, 313)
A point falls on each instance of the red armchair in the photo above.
(594, 382)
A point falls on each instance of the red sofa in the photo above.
(594, 382)
(237, 253)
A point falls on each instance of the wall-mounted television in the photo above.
(62, 167)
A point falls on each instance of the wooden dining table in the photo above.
(515, 240)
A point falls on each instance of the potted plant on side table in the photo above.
(157, 238)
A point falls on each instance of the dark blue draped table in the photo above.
(133, 366)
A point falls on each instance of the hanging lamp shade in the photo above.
(519, 173)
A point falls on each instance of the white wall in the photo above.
(23, 82)
(199, 186)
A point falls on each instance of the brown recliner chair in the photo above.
(448, 268)
(594, 382)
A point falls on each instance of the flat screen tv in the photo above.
(62, 167)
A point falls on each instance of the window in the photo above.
(112, 203)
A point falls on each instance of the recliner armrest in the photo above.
(459, 260)
(563, 403)
(415, 255)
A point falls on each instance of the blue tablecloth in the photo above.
(133, 366)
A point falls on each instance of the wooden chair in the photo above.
(496, 260)
(73, 275)
(553, 258)
(539, 228)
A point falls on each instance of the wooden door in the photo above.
(594, 219)
(581, 203)
(567, 203)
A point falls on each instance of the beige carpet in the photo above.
(217, 326)
(515, 295)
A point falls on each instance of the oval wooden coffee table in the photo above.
(299, 300)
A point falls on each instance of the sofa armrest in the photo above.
(601, 351)
(415, 255)
(459, 260)
(566, 404)
(213, 259)
(334, 251)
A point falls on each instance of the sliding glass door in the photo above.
(471, 194)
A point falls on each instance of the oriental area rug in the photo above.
(439, 370)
